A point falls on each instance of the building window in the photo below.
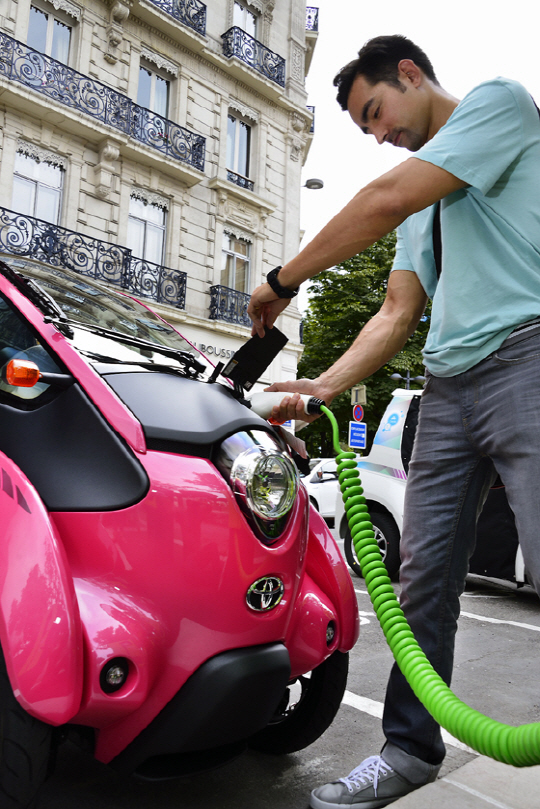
(37, 188)
(146, 230)
(235, 263)
(47, 34)
(245, 19)
(238, 146)
(153, 92)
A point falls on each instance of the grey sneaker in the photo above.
(369, 786)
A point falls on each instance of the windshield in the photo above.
(107, 317)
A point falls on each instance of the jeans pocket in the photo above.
(523, 351)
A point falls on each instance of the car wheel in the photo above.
(387, 536)
(314, 503)
(307, 709)
(25, 749)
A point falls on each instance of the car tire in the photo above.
(25, 749)
(314, 503)
(298, 724)
(387, 536)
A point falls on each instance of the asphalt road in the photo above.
(496, 672)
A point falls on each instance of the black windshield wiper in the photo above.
(41, 299)
(190, 364)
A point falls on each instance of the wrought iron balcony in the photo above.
(229, 305)
(189, 12)
(237, 43)
(312, 127)
(22, 235)
(60, 83)
(238, 179)
(312, 19)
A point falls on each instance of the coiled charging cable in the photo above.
(519, 746)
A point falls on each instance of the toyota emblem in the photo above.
(265, 594)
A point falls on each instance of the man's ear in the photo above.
(410, 73)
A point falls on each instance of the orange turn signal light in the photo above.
(22, 373)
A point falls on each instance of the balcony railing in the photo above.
(312, 127)
(22, 235)
(189, 12)
(229, 305)
(239, 180)
(312, 19)
(237, 43)
(60, 83)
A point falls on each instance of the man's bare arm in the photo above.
(380, 339)
(375, 211)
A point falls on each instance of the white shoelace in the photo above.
(367, 773)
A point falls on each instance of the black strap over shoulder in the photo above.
(437, 237)
(437, 240)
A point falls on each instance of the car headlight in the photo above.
(267, 480)
(263, 479)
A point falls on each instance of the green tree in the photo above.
(342, 300)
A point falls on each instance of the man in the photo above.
(479, 413)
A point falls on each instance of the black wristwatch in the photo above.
(281, 292)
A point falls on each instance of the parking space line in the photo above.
(500, 621)
(476, 794)
(374, 708)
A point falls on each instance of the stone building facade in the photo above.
(157, 145)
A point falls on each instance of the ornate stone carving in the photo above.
(238, 233)
(40, 154)
(109, 152)
(115, 30)
(297, 67)
(67, 8)
(150, 198)
(159, 60)
(243, 109)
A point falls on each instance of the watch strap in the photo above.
(281, 291)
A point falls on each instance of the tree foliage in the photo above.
(342, 300)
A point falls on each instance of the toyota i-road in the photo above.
(167, 595)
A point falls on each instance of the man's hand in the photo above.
(292, 406)
(264, 308)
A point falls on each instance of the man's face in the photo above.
(392, 116)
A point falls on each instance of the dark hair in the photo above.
(378, 61)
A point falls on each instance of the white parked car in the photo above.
(322, 486)
(384, 473)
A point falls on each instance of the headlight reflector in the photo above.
(267, 480)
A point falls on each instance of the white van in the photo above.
(383, 475)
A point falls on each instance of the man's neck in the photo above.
(443, 105)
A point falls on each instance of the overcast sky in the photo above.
(468, 41)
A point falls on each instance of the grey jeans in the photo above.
(471, 426)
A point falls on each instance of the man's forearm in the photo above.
(365, 219)
(381, 338)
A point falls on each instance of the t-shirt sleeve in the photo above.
(401, 258)
(482, 137)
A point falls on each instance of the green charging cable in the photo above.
(519, 746)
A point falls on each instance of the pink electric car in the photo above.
(167, 595)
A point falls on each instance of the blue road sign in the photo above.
(357, 434)
(358, 412)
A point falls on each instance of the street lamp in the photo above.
(313, 184)
(407, 379)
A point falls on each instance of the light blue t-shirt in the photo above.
(490, 279)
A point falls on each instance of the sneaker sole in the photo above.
(377, 803)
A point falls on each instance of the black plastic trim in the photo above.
(228, 699)
(180, 415)
(71, 454)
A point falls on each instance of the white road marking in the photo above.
(500, 621)
(374, 708)
(476, 794)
